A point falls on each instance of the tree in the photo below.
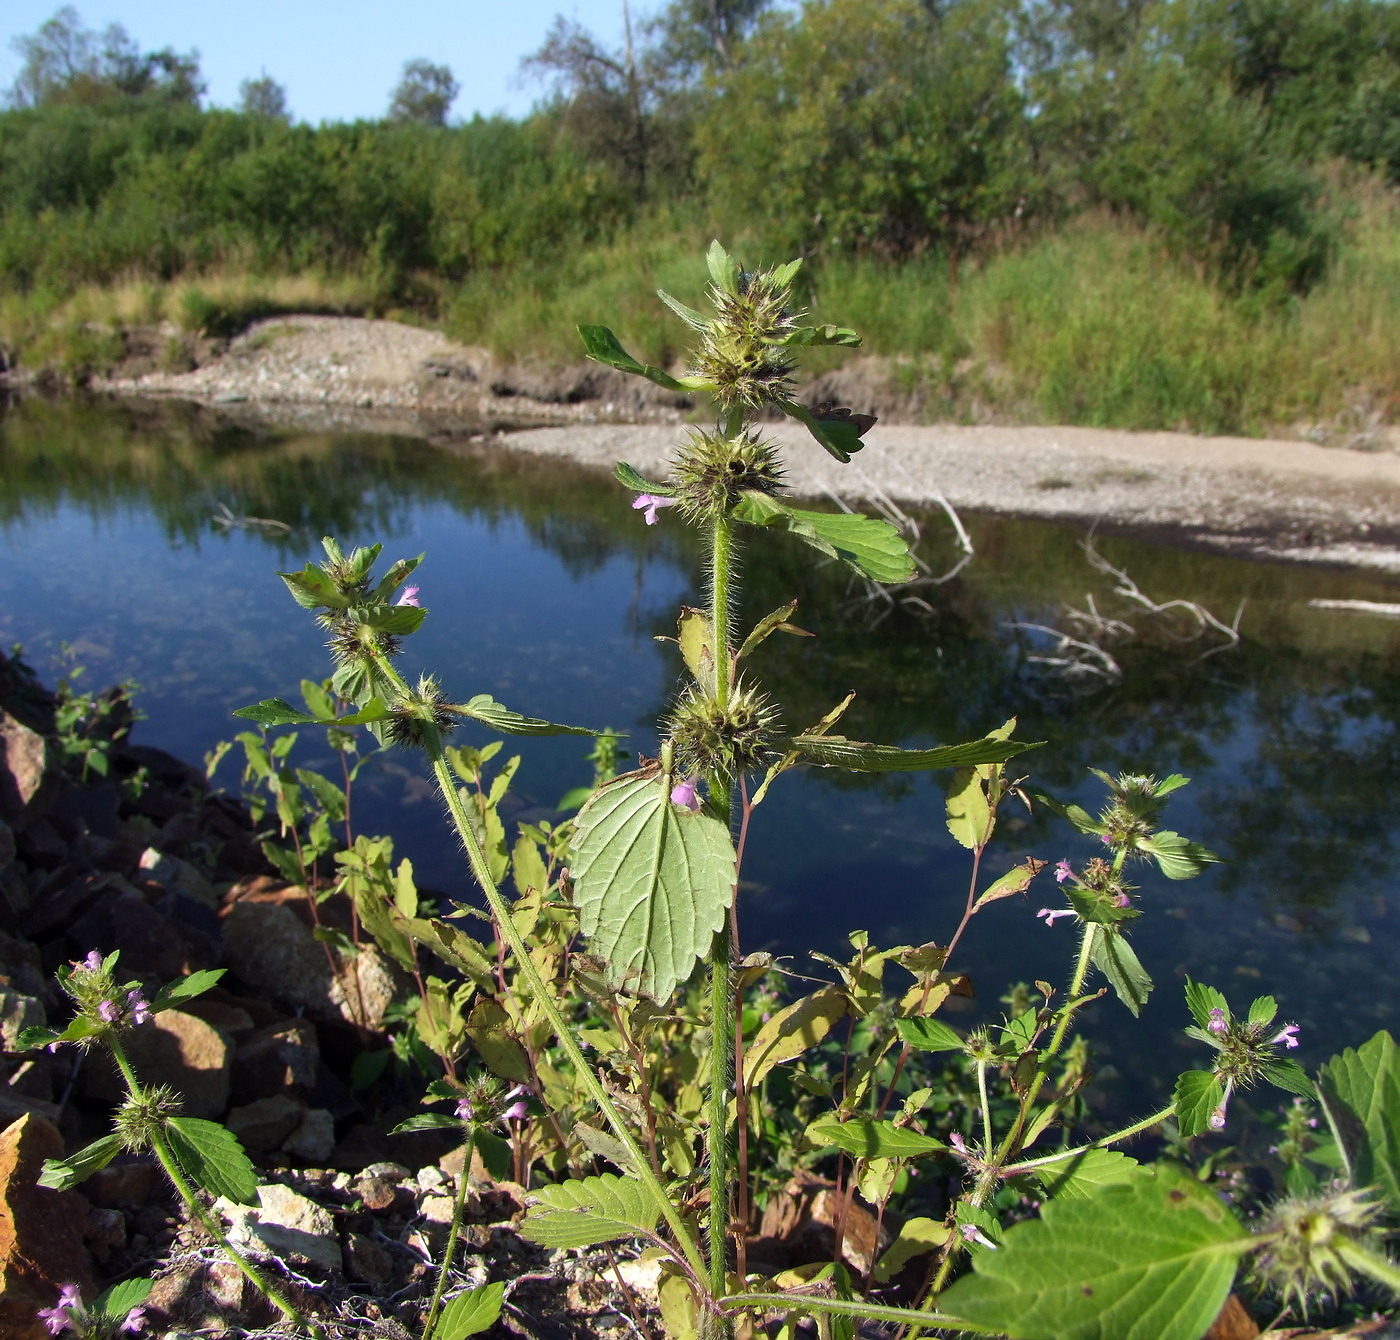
(424, 94)
(66, 62)
(695, 37)
(263, 97)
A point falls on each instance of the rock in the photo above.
(285, 1223)
(105, 1232)
(314, 1139)
(18, 1012)
(178, 876)
(177, 1049)
(57, 908)
(7, 844)
(152, 947)
(368, 1261)
(262, 1125)
(41, 1231)
(21, 969)
(29, 771)
(272, 1060)
(128, 1182)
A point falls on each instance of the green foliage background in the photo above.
(1146, 213)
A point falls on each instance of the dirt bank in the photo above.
(1287, 499)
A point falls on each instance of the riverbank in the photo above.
(1278, 499)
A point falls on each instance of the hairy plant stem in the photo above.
(506, 927)
(187, 1193)
(454, 1229)
(722, 1017)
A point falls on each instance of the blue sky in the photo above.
(337, 59)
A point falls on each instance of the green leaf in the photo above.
(928, 1035)
(602, 346)
(583, 1213)
(112, 1305)
(1291, 1077)
(1114, 957)
(689, 315)
(1361, 1088)
(1198, 1094)
(484, 708)
(792, 1031)
(1262, 1010)
(1076, 814)
(1150, 1260)
(1084, 1175)
(768, 625)
(1016, 880)
(840, 437)
(865, 1137)
(1169, 784)
(639, 483)
(836, 751)
(918, 1237)
(873, 548)
(65, 1174)
(969, 814)
(652, 883)
(274, 712)
(186, 988)
(1202, 999)
(1178, 857)
(426, 1121)
(808, 337)
(213, 1159)
(470, 1312)
(723, 268)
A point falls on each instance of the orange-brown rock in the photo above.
(41, 1231)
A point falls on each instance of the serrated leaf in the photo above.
(928, 1035)
(1169, 784)
(639, 483)
(723, 268)
(470, 1313)
(917, 1237)
(213, 1159)
(1291, 1077)
(652, 883)
(864, 1137)
(769, 625)
(792, 1031)
(113, 1304)
(605, 1146)
(1362, 1090)
(426, 1121)
(492, 1034)
(1262, 1010)
(1178, 857)
(1150, 1260)
(872, 547)
(969, 814)
(1016, 880)
(1198, 1093)
(840, 437)
(1082, 1176)
(65, 1174)
(602, 346)
(484, 708)
(836, 751)
(186, 988)
(1202, 999)
(1114, 957)
(587, 1211)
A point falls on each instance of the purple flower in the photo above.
(465, 1110)
(1105, 839)
(1217, 1118)
(1122, 900)
(650, 503)
(1288, 1036)
(409, 597)
(139, 1006)
(958, 1142)
(60, 1316)
(1218, 1022)
(135, 1322)
(1063, 871)
(93, 962)
(1050, 915)
(683, 794)
(971, 1233)
(109, 1011)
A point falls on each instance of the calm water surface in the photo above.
(548, 592)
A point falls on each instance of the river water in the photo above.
(547, 591)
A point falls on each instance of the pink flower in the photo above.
(139, 1006)
(135, 1322)
(1050, 915)
(1063, 871)
(1217, 1118)
(1218, 1022)
(650, 503)
(1122, 900)
(109, 1011)
(1288, 1036)
(409, 597)
(683, 794)
(61, 1316)
(93, 962)
(971, 1233)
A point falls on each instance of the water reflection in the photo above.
(547, 591)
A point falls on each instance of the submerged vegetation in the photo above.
(1146, 213)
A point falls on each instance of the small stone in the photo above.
(28, 773)
(285, 1224)
(314, 1139)
(105, 1232)
(274, 1060)
(431, 1178)
(179, 876)
(263, 1124)
(368, 1261)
